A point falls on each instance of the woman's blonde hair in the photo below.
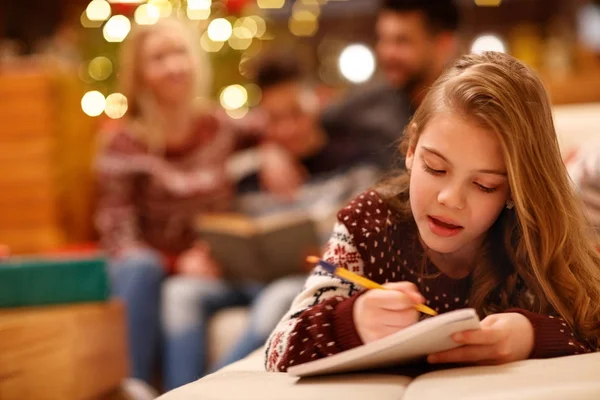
(545, 241)
(143, 110)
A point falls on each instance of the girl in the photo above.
(485, 218)
(158, 169)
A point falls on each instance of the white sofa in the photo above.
(576, 377)
(573, 378)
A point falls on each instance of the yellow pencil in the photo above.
(360, 280)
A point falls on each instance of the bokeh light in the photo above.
(233, 97)
(199, 4)
(219, 30)
(261, 25)
(303, 23)
(357, 63)
(198, 9)
(254, 94)
(241, 38)
(247, 22)
(238, 113)
(164, 7)
(197, 15)
(488, 3)
(98, 10)
(100, 68)
(86, 23)
(209, 45)
(116, 29)
(116, 105)
(93, 103)
(488, 42)
(270, 3)
(147, 14)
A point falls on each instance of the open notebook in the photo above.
(408, 345)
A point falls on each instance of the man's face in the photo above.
(290, 110)
(406, 48)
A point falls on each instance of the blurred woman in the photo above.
(159, 167)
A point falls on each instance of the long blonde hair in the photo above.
(142, 114)
(545, 242)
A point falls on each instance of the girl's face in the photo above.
(458, 183)
(167, 66)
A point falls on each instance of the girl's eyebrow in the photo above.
(482, 171)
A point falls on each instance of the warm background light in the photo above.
(488, 3)
(164, 7)
(233, 97)
(117, 28)
(100, 68)
(98, 10)
(357, 63)
(238, 113)
(241, 38)
(488, 43)
(303, 23)
(248, 23)
(270, 3)
(147, 14)
(198, 9)
(116, 105)
(93, 103)
(209, 45)
(219, 30)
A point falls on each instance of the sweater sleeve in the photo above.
(319, 322)
(116, 216)
(552, 336)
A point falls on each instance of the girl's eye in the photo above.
(485, 188)
(432, 171)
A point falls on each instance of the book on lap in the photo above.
(260, 249)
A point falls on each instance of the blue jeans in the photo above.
(136, 278)
(188, 304)
(265, 313)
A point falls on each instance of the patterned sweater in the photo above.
(151, 199)
(367, 241)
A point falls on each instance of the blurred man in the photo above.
(416, 40)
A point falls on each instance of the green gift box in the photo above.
(45, 280)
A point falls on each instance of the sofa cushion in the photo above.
(573, 377)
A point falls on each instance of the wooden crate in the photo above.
(62, 353)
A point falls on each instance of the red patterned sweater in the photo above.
(151, 199)
(367, 241)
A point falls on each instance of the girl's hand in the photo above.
(198, 262)
(503, 338)
(379, 313)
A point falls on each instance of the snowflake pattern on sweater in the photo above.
(368, 241)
